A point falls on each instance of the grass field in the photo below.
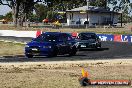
(9, 48)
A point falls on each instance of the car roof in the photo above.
(87, 33)
(51, 33)
(55, 33)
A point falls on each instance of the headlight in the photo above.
(95, 43)
(77, 43)
(27, 46)
(46, 46)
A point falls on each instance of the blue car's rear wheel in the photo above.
(73, 51)
(54, 53)
(29, 56)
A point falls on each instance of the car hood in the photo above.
(35, 43)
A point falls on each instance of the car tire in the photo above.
(29, 56)
(73, 51)
(54, 53)
(99, 45)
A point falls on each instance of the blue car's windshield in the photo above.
(46, 38)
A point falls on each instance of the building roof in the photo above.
(90, 8)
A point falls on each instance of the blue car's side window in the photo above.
(60, 38)
(69, 38)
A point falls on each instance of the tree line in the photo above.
(23, 9)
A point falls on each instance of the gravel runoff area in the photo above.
(62, 74)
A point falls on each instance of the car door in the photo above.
(71, 41)
(68, 42)
(62, 44)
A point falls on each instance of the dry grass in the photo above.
(7, 27)
(124, 30)
(63, 77)
(9, 48)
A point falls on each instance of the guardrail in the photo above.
(115, 37)
(25, 36)
(18, 33)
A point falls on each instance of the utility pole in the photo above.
(87, 23)
(121, 16)
(121, 19)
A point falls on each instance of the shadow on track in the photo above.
(100, 49)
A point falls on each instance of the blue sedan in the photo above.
(51, 44)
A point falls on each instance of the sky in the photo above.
(6, 9)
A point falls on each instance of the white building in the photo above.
(91, 15)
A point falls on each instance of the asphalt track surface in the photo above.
(109, 50)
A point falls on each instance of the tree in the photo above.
(41, 11)
(1, 17)
(64, 4)
(20, 9)
(123, 6)
(99, 3)
(8, 16)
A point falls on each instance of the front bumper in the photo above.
(38, 52)
(87, 45)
